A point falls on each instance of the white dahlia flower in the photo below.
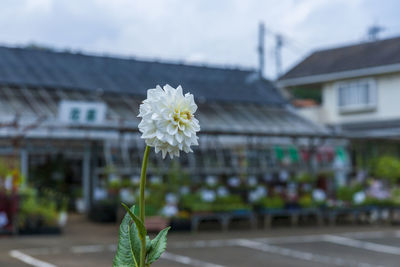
(168, 123)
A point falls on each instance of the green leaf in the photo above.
(139, 224)
(148, 244)
(136, 245)
(158, 245)
(127, 250)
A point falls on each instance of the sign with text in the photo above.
(81, 112)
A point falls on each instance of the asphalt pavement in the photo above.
(93, 245)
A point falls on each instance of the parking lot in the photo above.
(86, 244)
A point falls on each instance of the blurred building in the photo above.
(70, 121)
(357, 87)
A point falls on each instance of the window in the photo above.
(357, 95)
(75, 114)
(91, 115)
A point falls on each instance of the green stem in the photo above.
(141, 202)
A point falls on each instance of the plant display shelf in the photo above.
(331, 215)
(224, 218)
(293, 215)
(355, 213)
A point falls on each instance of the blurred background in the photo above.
(298, 157)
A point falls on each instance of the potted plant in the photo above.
(230, 203)
(271, 203)
(388, 167)
(80, 205)
(37, 215)
(63, 214)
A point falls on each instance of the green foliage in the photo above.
(370, 201)
(77, 193)
(155, 199)
(128, 251)
(148, 244)
(229, 203)
(114, 184)
(126, 183)
(325, 174)
(189, 201)
(388, 167)
(4, 169)
(64, 204)
(131, 232)
(149, 209)
(195, 203)
(305, 178)
(274, 202)
(395, 195)
(346, 193)
(137, 221)
(307, 93)
(58, 198)
(158, 245)
(306, 201)
(51, 174)
(33, 208)
(176, 177)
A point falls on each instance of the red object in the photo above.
(9, 205)
(305, 154)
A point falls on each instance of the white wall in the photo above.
(388, 102)
(316, 114)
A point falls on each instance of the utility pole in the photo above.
(374, 31)
(278, 60)
(260, 49)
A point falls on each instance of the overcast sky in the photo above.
(222, 32)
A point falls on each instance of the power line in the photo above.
(281, 41)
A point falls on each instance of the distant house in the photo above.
(70, 121)
(359, 87)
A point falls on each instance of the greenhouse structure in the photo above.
(68, 121)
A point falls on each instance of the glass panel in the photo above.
(75, 114)
(355, 94)
(91, 115)
(367, 98)
(344, 95)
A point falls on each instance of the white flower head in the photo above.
(168, 123)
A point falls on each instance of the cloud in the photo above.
(216, 32)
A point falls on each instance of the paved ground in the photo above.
(85, 244)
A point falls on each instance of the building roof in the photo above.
(231, 101)
(384, 129)
(347, 61)
(49, 69)
(21, 107)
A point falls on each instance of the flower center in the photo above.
(182, 116)
(186, 115)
